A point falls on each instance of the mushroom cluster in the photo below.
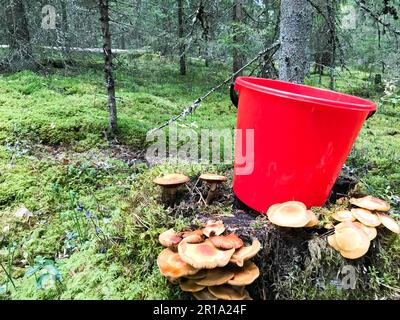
(357, 227)
(292, 214)
(171, 182)
(208, 262)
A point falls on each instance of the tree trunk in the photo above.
(21, 56)
(182, 47)
(108, 69)
(208, 53)
(267, 66)
(295, 31)
(206, 35)
(138, 14)
(237, 55)
(331, 9)
(65, 27)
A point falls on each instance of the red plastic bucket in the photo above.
(302, 137)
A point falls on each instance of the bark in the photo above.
(295, 31)
(268, 69)
(65, 27)
(182, 47)
(331, 9)
(237, 55)
(21, 55)
(202, 16)
(138, 13)
(208, 53)
(108, 67)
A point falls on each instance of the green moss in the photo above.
(69, 108)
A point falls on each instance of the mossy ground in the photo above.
(97, 217)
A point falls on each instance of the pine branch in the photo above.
(377, 17)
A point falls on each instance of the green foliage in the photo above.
(97, 219)
(73, 109)
(49, 276)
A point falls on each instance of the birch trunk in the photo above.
(108, 68)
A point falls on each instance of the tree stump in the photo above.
(299, 263)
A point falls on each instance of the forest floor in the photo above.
(94, 218)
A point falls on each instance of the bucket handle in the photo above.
(235, 100)
(371, 114)
(234, 96)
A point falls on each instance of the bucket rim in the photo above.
(364, 105)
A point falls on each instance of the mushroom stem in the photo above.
(211, 192)
(169, 195)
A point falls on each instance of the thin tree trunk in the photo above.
(380, 48)
(206, 35)
(108, 69)
(331, 9)
(268, 69)
(65, 27)
(182, 47)
(138, 14)
(237, 56)
(295, 31)
(21, 55)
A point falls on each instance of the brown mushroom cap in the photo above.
(273, 207)
(231, 241)
(366, 217)
(371, 232)
(291, 214)
(343, 215)
(185, 234)
(370, 203)
(171, 180)
(194, 238)
(213, 228)
(332, 242)
(245, 253)
(389, 222)
(169, 238)
(216, 277)
(313, 220)
(212, 178)
(197, 276)
(204, 295)
(190, 286)
(228, 292)
(171, 265)
(351, 240)
(204, 255)
(245, 275)
(355, 254)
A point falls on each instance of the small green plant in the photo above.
(77, 219)
(8, 269)
(49, 276)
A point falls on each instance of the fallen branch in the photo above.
(196, 104)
